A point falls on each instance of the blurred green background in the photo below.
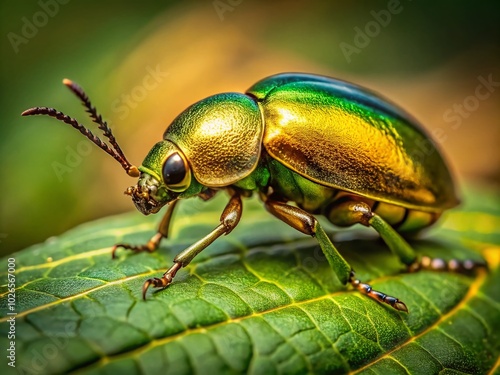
(142, 63)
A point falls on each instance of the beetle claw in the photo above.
(145, 288)
(400, 306)
(162, 282)
(113, 252)
(156, 282)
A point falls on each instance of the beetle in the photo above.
(329, 147)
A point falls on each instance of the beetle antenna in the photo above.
(115, 152)
(94, 115)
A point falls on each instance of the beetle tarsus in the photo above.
(366, 289)
(150, 246)
(162, 282)
(135, 249)
(452, 265)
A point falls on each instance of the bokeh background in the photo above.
(142, 63)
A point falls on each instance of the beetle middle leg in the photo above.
(308, 224)
(229, 219)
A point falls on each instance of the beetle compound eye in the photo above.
(176, 173)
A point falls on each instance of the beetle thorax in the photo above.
(221, 138)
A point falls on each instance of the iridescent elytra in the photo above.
(308, 145)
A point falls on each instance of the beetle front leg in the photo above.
(154, 242)
(228, 221)
(308, 224)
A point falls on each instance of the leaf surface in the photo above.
(261, 300)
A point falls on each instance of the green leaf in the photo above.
(262, 300)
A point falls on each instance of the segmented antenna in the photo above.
(116, 152)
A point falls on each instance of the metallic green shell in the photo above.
(346, 137)
(221, 137)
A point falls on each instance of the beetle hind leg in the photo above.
(307, 224)
(348, 211)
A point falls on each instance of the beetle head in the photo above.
(165, 177)
(145, 194)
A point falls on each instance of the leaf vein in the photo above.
(430, 354)
(400, 364)
(424, 297)
(334, 347)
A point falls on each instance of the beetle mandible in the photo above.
(331, 147)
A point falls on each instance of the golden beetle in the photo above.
(331, 147)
